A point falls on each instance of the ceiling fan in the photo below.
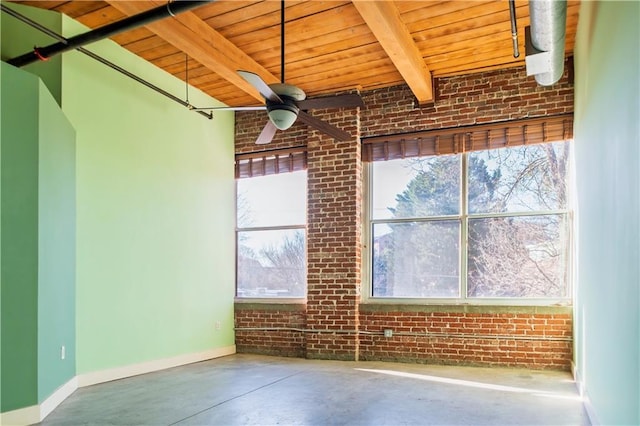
(285, 103)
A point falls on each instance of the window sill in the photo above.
(376, 306)
(292, 304)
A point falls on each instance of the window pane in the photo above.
(519, 179)
(416, 187)
(518, 257)
(273, 200)
(416, 259)
(271, 263)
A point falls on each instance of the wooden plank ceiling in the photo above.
(331, 46)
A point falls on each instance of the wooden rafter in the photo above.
(383, 19)
(334, 46)
(197, 39)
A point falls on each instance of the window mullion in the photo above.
(517, 214)
(270, 228)
(464, 224)
(367, 229)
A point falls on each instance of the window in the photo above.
(480, 225)
(270, 232)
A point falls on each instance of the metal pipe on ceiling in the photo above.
(172, 8)
(514, 28)
(100, 59)
(548, 30)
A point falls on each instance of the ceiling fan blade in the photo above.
(324, 127)
(238, 108)
(258, 83)
(338, 101)
(267, 134)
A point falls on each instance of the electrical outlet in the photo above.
(63, 352)
(218, 325)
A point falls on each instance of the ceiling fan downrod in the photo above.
(282, 41)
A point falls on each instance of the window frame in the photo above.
(463, 259)
(238, 230)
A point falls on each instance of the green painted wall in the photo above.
(17, 39)
(38, 242)
(154, 225)
(19, 245)
(607, 135)
(56, 247)
(155, 203)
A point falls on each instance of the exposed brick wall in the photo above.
(465, 100)
(490, 337)
(526, 337)
(250, 124)
(271, 330)
(334, 177)
(514, 336)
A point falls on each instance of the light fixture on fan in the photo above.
(285, 103)
(283, 113)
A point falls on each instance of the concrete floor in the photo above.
(261, 390)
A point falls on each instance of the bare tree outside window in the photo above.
(521, 256)
(271, 242)
(511, 232)
(271, 263)
(526, 178)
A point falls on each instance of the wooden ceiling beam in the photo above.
(383, 19)
(332, 46)
(202, 43)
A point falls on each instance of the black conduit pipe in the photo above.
(155, 14)
(98, 58)
(282, 41)
(514, 28)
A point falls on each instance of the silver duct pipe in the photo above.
(547, 38)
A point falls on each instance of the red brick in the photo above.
(334, 236)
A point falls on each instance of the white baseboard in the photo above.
(63, 392)
(591, 412)
(586, 401)
(37, 413)
(21, 416)
(102, 376)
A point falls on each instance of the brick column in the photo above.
(334, 241)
